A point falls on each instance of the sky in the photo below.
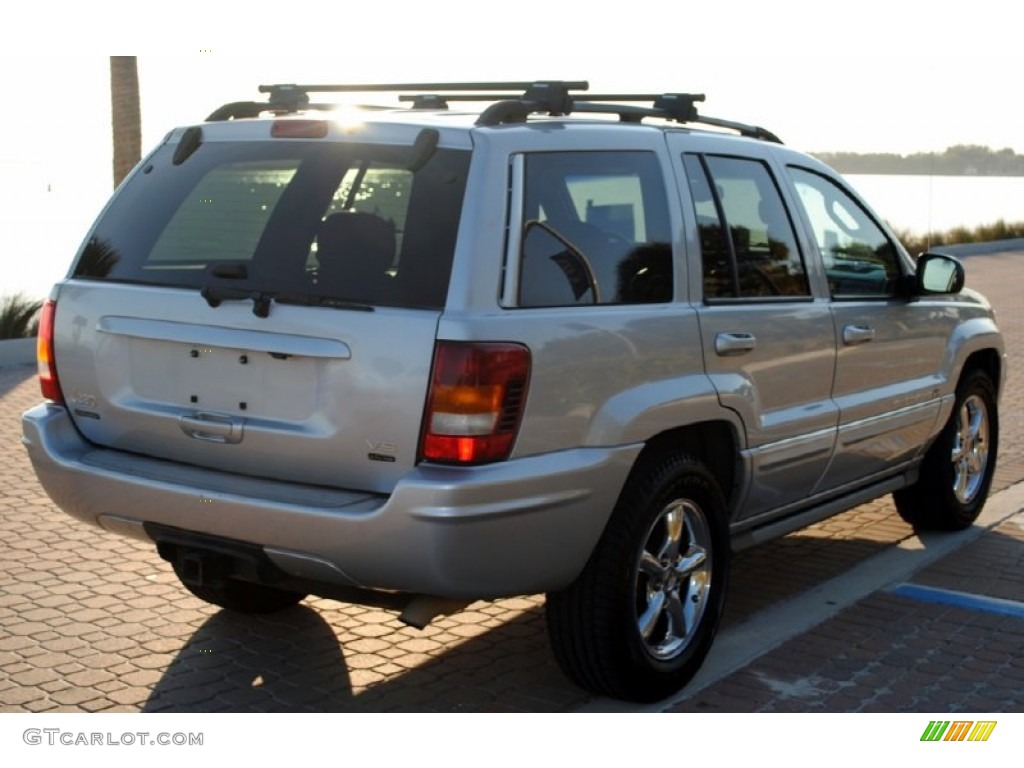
(876, 76)
(880, 76)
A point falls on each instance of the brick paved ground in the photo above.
(91, 622)
(892, 653)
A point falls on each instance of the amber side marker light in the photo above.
(47, 365)
(476, 401)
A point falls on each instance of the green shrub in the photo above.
(986, 233)
(18, 317)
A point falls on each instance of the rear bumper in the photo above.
(518, 527)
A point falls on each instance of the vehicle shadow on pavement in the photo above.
(13, 377)
(242, 663)
(296, 661)
(327, 656)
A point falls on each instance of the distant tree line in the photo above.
(959, 160)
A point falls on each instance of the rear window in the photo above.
(318, 219)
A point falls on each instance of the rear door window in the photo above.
(748, 245)
(315, 219)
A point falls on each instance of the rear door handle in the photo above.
(858, 334)
(734, 343)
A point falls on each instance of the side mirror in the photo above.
(939, 273)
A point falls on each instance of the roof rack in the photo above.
(551, 97)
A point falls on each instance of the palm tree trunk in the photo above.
(126, 120)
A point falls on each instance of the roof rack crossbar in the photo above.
(682, 107)
(574, 85)
(552, 97)
(440, 100)
(413, 97)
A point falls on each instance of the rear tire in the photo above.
(244, 596)
(639, 620)
(957, 471)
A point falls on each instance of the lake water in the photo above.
(44, 214)
(924, 204)
(43, 220)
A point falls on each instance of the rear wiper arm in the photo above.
(214, 295)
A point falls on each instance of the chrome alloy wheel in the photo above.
(672, 579)
(970, 449)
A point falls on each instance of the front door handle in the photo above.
(734, 343)
(858, 334)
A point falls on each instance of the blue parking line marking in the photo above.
(960, 599)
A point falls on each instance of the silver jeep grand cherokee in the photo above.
(416, 357)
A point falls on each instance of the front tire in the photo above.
(639, 620)
(957, 471)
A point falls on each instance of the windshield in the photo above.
(335, 221)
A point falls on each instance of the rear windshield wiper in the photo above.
(214, 295)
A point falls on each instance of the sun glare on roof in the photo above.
(347, 117)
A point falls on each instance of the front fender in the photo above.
(974, 335)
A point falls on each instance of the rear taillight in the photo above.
(48, 381)
(476, 400)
